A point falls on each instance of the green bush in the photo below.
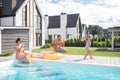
(47, 45)
(48, 41)
(95, 44)
(117, 39)
(82, 43)
(108, 43)
(76, 42)
(9, 53)
(101, 44)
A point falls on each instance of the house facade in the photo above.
(114, 31)
(21, 18)
(67, 25)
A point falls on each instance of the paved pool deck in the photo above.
(79, 59)
(97, 59)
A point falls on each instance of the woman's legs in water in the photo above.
(26, 57)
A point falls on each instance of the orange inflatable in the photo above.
(55, 56)
(32, 56)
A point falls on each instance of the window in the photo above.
(38, 21)
(50, 37)
(69, 36)
(24, 16)
(55, 36)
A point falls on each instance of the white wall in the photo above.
(43, 31)
(18, 18)
(56, 32)
(73, 32)
(7, 21)
(83, 32)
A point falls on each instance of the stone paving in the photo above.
(79, 59)
(96, 60)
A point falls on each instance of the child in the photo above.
(87, 46)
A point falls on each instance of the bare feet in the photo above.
(91, 58)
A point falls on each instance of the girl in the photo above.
(87, 46)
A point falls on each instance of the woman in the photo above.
(20, 53)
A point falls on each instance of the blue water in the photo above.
(46, 70)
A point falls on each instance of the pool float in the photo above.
(55, 56)
(32, 56)
(50, 55)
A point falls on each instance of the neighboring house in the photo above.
(20, 18)
(105, 33)
(114, 31)
(67, 25)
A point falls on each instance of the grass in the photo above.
(9, 53)
(82, 51)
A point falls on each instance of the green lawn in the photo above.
(82, 51)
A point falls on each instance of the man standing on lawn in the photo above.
(58, 44)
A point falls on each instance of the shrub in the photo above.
(95, 44)
(82, 43)
(77, 42)
(117, 39)
(108, 43)
(48, 41)
(47, 45)
(9, 53)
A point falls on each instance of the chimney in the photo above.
(63, 24)
(46, 26)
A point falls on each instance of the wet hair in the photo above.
(18, 39)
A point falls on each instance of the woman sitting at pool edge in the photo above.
(20, 53)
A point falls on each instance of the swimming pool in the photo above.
(54, 70)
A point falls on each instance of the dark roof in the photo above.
(54, 22)
(0, 1)
(12, 12)
(72, 20)
(19, 3)
(105, 30)
(117, 27)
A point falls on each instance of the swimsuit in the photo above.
(60, 49)
(19, 53)
(87, 45)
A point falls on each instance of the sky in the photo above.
(105, 13)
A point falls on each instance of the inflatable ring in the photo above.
(49, 56)
(32, 56)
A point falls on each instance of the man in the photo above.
(58, 44)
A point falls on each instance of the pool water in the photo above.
(52, 70)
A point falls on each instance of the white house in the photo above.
(67, 25)
(21, 18)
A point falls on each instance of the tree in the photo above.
(95, 30)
